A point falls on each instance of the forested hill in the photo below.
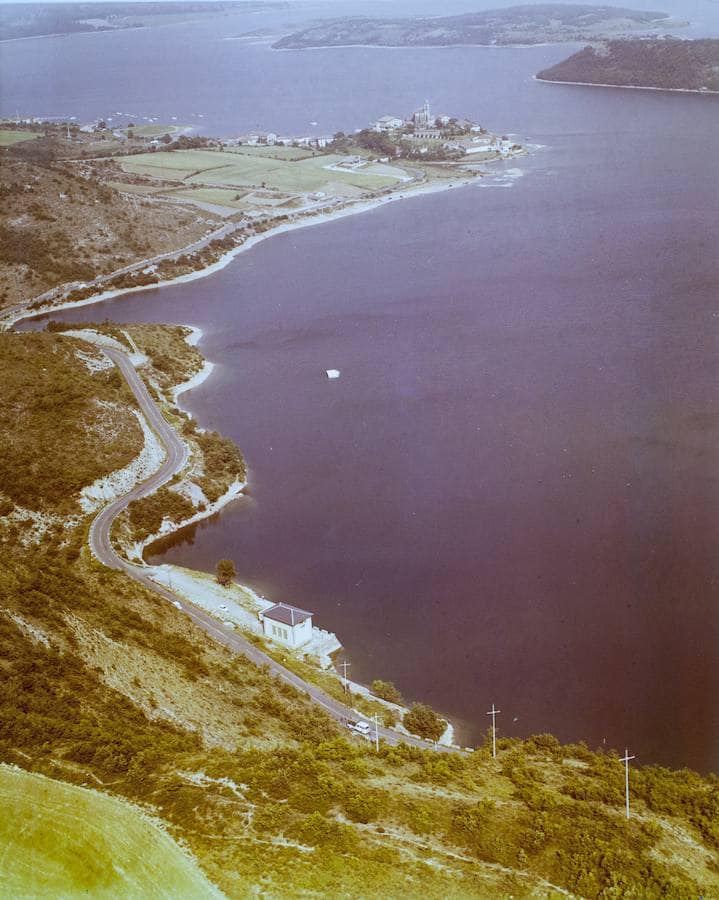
(541, 23)
(686, 65)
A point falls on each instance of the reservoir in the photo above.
(511, 494)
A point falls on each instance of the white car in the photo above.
(363, 728)
(222, 607)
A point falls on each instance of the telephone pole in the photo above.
(493, 713)
(625, 759)
(345, 666)
(376, 733)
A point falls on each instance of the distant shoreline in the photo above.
(421, 46)
(626, 87)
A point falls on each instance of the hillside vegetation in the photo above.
(685, 65)
(59, 224)
(103, 683)
(68, 425)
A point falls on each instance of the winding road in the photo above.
(101, 546)
(60, 292)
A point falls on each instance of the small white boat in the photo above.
(332, 373)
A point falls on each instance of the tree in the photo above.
(166, 139)
(226, 571)
(424, 721)
(386, 691)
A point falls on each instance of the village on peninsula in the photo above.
(229, 191)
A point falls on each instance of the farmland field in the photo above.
(57, 840)
(250, 170)
(153, 131)
(272, 151)
(218, 196)
(7, 138)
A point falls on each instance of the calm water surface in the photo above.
(511, 493)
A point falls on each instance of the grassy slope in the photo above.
(8, 138)
(74, 840)
(102, 682)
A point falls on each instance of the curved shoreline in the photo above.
(361, 206)
(627, 87)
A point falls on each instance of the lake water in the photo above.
(511, 493)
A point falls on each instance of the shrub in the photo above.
(225, 572)
(424, 721)
(317, 831)
(385, 690)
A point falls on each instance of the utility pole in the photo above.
(625, 759)
(493, 713)
(376, 733)
(345, 666)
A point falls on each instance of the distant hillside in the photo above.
(549, 22)
(19, 20)
(685, 65)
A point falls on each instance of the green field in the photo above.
(274, 152)
(7, 138)
(249, 170)
(152, 131)
(57, 840)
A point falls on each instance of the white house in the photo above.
(287, 625)
(387, 123)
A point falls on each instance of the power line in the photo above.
(493, 713)
(625, 759)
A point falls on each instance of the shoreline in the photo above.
(416, 46)
(236, 490)
(361, 206)
(627, 87)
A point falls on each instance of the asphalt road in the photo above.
(12, 313)
(101, 546)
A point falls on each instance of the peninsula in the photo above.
(659, 64)
(95, 210)
(516, 25)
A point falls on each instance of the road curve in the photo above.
(101, 547)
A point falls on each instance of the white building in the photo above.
(287, 625)
(387, 123)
